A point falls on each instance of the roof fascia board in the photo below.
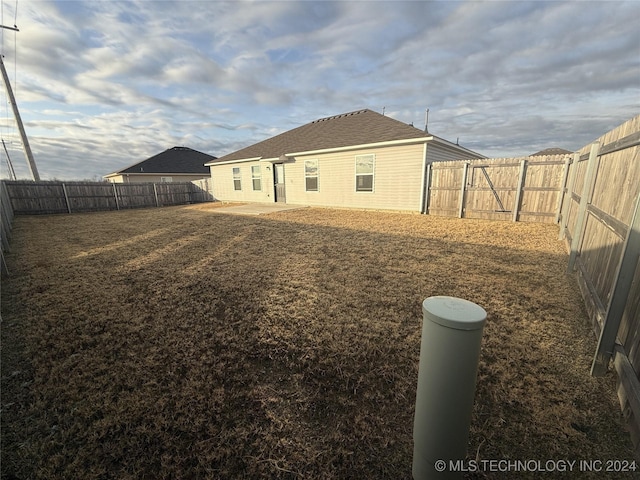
(280, 159)
(146, 174)
(241, 160)
(452, 146)
(389, 143)
(272, 160)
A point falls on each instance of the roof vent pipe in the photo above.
(426, 121)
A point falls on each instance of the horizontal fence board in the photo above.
(612, 223)
(488, 189)
(541, 189)
(619, 174)
(537, 218)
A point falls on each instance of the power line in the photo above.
(15, 46)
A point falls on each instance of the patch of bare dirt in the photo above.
(183, 343)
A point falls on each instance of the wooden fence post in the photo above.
(521, 178)
(115, 195)
(66, 197)
(585, 200)
(620, 293)
(155, 192)
(465, 172)
(563, 185)
(427, 190)
(6, 212)
(568, 196)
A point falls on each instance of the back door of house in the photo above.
(278, 180)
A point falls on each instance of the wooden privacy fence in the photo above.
(6, 219)
(203, 190)
(518, 189)
(27, 197)
(600, 221)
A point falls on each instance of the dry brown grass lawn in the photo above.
(185, 343)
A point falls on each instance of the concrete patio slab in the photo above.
(257, 208)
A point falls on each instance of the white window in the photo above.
(256, 177)
(311, 175)
(166, 179)
(364, 173)
(237, 183)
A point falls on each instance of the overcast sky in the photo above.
(104, 84)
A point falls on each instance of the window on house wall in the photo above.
(256, 177)
(237, 182)
(311, 175)
(364, 173)
(166, 179)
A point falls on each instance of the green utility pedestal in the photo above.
(449, 354)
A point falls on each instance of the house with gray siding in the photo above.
(177, 164)
(360, 159)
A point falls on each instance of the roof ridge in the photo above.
(348, 114)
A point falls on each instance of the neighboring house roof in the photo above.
(551, 151)
(361, 127)
(176, 160)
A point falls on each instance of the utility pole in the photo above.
(23, 135)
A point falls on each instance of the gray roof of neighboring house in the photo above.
(551, 151)
(354, 128)
(174, 160)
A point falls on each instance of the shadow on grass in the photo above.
(218, 346)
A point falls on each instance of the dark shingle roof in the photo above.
(173, 160)
(551, 151)
(355, 128)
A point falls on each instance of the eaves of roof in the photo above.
(345, 131)
(176, 160)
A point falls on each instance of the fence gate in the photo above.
(518, 189)
(491, 189)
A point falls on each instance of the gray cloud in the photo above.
(105, 84)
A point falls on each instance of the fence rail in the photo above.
(517, 189)
(27, 197)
